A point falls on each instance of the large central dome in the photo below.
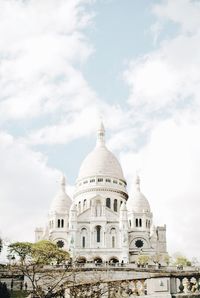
(101, 162)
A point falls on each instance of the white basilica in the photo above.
(102, 222)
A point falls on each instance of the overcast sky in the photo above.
(63, 64)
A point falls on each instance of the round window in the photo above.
(60, 243)
(139, 243)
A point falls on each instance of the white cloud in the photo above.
(183, 12)
(40, 71)
(169, 168)
(165, 90)
(27, 188)
(73, 126)
(41, 55)
(169, 75)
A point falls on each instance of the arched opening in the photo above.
(58, 223)
(79, 207)
(113, 237)
(136, 222)
(83, 237)
(113, 260)
(113, 241)
(84, 204)
(115, 205)
(62, 223)
(98, 231)
(81, 260)
(83, 242)
(98, 208)
(98, 260)
(140, 222)
(108, 202)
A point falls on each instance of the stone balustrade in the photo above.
(121, 282)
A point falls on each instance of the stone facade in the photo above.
(102, 223)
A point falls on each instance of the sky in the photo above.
(66, 63)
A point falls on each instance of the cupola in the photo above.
(138, 203)
(61, 202)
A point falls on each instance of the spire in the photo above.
(101, 135)
(62, 183)
(137, 183)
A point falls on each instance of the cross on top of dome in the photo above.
(101, 134)
(137, 182)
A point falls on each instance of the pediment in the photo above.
(85, 215)
(111, 215)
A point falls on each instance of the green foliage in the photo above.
(30, 259)
(18, 294)
(46, 252)
(42, 253)
(4, 293)
(143, 259)
(156, 258)
(167, 259)
(21, 250)
(180, 260)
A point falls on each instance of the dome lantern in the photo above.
(101, 135)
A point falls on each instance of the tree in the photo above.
(180, 260)
(167, 259)
(143, 260)
(32, 260)
(156, 258)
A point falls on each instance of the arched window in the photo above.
(62, 223)
(113, 241)
(108, 202)
(58, 223)
(136, 222)
(129, 222)
(113, 237)
(98, 208)
(79, 206)
(84, 204)
(98, 229)
(83, 235)
(83, 242)
(140, 222)
(115, 205)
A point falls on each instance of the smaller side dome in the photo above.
(61, 202)
(138, 203)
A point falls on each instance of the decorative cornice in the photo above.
(124, 194)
